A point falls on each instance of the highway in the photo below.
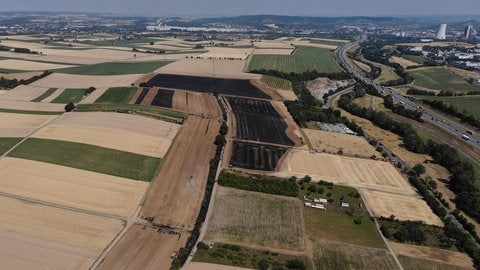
(455, 129)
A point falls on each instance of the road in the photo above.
(428, 115)
(455, 129)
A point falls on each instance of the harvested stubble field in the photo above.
(211, 266)
(428, 256)
(45, 95)
(208, 67)
(20, 76)
(15, 105)
(333, 142)
(208, 85)
(29, 65)
(304, 59)
(349, 171)
(177, 191)
(143, 247)
(227, 53)
(35, 236)
(88, 157)
(258, 120)
(24, 93)
(21, 125)
(256, 156)
(71, 187)
(340, 256)
(58, 80)
(257, 219)
(403, 207)
(124, 132)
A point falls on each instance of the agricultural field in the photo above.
(18, 106)
(420, 257)
(330, 42)
(349, 171)
(211, 266)
(143, 247)
(350, 145)
(124, 132)
(369, 101)
(441, 78)
(45, 95)
(281, 86)
(419, 60)
(88, 157)
(387, 74)
(36, 236)
(403, 207)
(70, 95)
(256, 219)
(115, 68)
(24, 93)
(14, 64)
(59, 80)
(21, 125)
(304, 59)
(7, 143)
(183, 101)
(257, 120)
(71, 187)
(256, 156)
(117, 95)
(226, 53)
(208, 85)
(468, 103)
(403, 61)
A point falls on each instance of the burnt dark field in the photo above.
(232, 87)
(258, 121)
(256, 156)
(163, 98)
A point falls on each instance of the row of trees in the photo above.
(453, 111)
(401, 110)
(10, 84)
(260, 183)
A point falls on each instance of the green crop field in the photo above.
(115, 68)
(304, 59)
(118, 95)
(70, 95)
(441, 78)
(31, 112)
(415, 58)
(471, 104)
(277, 83)
(88, 157)
(45, 95)
(7, 143)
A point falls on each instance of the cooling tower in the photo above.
(441, 31)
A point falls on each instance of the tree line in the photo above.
(10, 84)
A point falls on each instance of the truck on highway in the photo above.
(470, 132)
(465, 137)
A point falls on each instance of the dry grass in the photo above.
(334, 142)
(209, 68)
(29, 65)
(24, 93)
(211, 266)
(448, 257)
(403, 62)
(20, 125)
(363, 66)
(58, 80)
(255, 218)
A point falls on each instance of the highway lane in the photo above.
(454, 128)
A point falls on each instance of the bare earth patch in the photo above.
(53, 232)
(448, 257)
(71, 187)
(20, 125)
(403, 207)
(333, 142)
(125, 132)
(360, 173)
(58, 80)
(196, 103)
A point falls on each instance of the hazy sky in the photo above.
(247, 7)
